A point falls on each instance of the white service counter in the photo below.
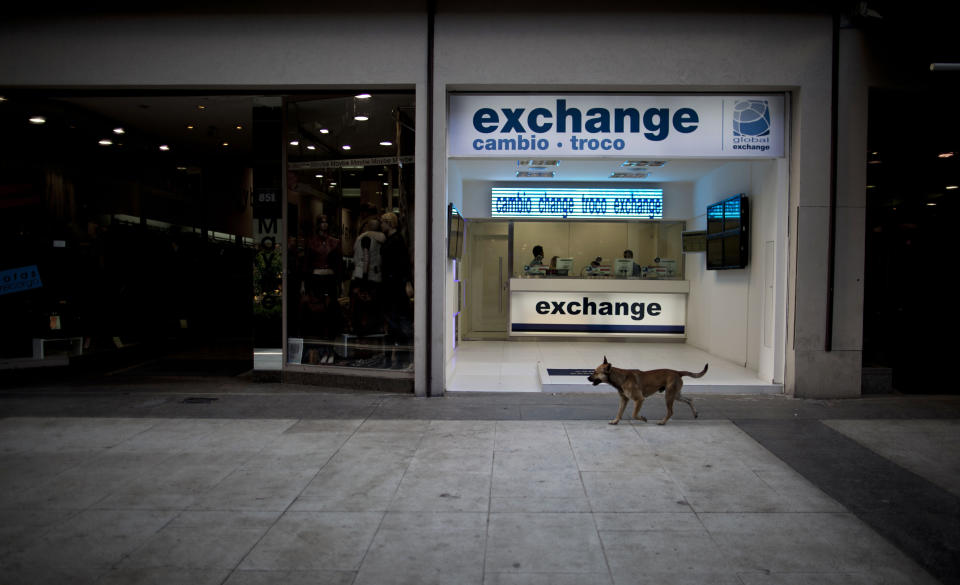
(606, 307)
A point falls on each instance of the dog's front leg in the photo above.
(623, 405)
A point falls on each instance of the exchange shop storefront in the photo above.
(618, 218)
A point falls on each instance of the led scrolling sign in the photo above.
(577, 203)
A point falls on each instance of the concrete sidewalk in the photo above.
(208, 483)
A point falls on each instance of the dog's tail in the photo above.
(699, 375)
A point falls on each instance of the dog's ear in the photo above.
(605, 360)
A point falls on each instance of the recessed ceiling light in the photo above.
(951, 187)
(190, 126)
(294, 143)
(931, 204)
(319, 176)
(201, 107)
(225, 144)
(945, 155)
(239, 126)
(333, 184)
(386, 143)
(164, 147)
(363, 96)
(2, 99)
(324, 131)
(361, 118)
(119, 130)
(38, 120)
(311, 147)
(181, 168)
(105, 142)
(346, 147)
(386, 184)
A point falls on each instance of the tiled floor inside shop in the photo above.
(558, 366)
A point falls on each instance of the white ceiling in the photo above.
(593, 170)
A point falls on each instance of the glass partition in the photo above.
(350, 204)
(592, 249)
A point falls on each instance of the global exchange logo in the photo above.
(751, 118)
(751, 125)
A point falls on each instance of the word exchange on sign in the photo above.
(620, 125)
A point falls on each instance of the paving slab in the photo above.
(145, 488)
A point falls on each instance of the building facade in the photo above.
(794, 315)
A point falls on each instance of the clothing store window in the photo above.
(350, 204)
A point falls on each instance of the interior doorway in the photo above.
(489, 280)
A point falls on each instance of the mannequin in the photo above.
(322, 260)
(366, 316)
(397, 292)
(366, 252)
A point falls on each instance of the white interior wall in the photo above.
(726, 313)
(450, 304)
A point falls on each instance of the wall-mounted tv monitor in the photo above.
(728, 230)
(455, 232)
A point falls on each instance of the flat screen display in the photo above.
(455, 233)
(728, 233)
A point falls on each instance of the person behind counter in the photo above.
(537, 255)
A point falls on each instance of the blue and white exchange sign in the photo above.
(617, 125)
(606, 313)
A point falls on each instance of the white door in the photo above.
(489, 284)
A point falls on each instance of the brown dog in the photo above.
(636, 385)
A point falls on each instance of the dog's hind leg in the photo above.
(636, 409)
(689, 402)
(669, 412)
(672, 392)
(623, 405)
